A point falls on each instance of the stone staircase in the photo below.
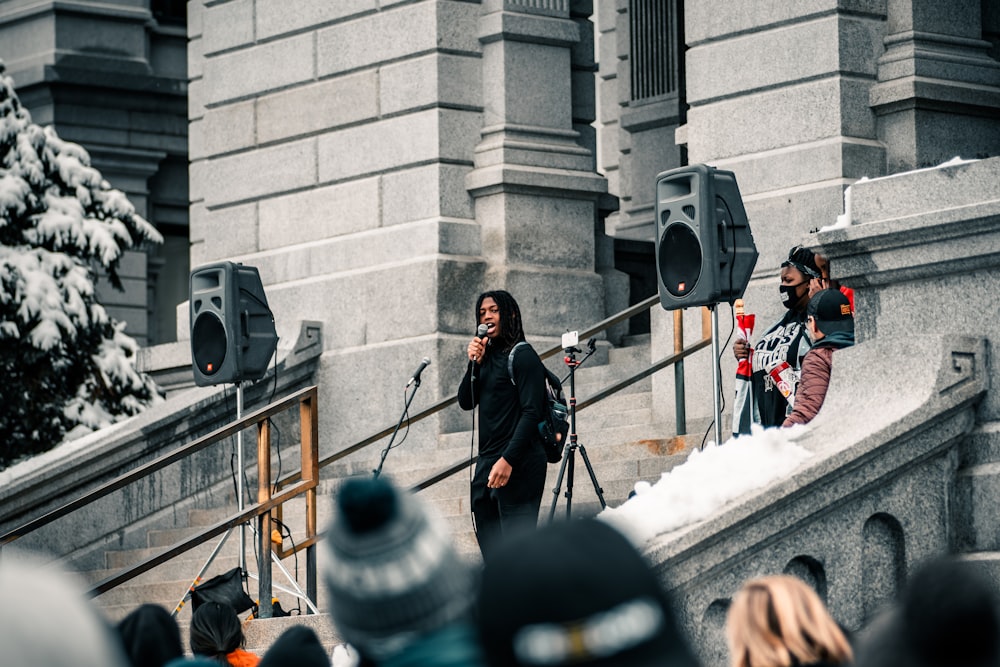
(618, 434)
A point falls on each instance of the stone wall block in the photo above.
(233, 232)
(553, 302)
(259, 69)
(228, 25)
(196, 99)
(779, 118)
(760, 60)
(389, 144)
(703, 22)
(425, 192)
(362, 251)
(397, 33)
(226, 129)
(317, 107)
(934, 189)
(320, 213)
(436, 79)
(277, 18)
(260, 172)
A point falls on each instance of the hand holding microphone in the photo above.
(477, 347)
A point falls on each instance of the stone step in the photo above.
(260, 633)
(176, 568)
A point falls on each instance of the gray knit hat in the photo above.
(392, 572)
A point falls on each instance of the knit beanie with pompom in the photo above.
(392, 571)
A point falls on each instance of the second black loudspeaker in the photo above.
(232, 329)
(705, 252)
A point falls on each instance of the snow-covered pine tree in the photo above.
(68, 368)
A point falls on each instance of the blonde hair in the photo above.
(779, 621)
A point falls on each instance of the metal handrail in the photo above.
(630, 312)
(307, 400)
(272, 496)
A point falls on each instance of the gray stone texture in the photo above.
(228, 25)
(319, 214)
(259, 68)
(317, 107)
(874, 490)
(408, 140)
(937, 84)
(277, 18)
(414, 29)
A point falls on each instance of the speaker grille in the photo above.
(208, 343)
(679, 259)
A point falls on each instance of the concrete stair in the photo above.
(618, 434)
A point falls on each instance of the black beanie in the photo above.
(298, 646)
(576, 593)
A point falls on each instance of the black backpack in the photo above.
(555, 423)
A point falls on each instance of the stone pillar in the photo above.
(534, 184)
(938, 91)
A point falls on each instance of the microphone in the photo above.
(482, 330)
(420, 369)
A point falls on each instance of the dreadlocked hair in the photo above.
(511, 331)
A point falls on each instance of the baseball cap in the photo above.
(831, 310)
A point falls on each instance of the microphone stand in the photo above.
(406, 409)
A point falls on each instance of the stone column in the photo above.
(938, 91)
(534, 184)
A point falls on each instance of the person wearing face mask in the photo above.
(830, 325)
(777, 356)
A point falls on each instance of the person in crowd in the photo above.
(150, 636)
(576, 593)
(779, 621)
(298, 646)
(776, 357)
(830, 325)
(509, 479)
(46, 620)
(216, 632)
(947, 615)
(399, 593)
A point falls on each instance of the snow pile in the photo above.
(707, 481)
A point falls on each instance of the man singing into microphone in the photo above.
(509, 480)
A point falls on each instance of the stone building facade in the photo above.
(382, 162)
(112, 76)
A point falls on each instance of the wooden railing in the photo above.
(267, 500)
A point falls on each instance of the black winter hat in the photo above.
(576, 593)
(150, 636)
(298, 646)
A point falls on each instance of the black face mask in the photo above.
(788, 295)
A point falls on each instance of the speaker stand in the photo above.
(716, 373)
(295, 589)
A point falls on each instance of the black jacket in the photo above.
(508, 413)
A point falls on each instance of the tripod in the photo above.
(568, 465)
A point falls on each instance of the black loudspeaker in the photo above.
(705, 253)
(232, 328)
